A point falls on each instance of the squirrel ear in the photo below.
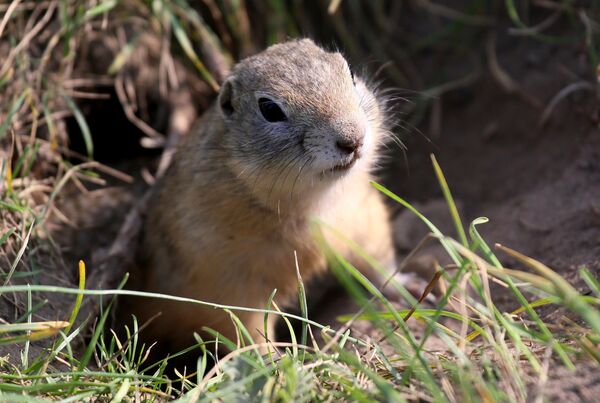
(225, 97)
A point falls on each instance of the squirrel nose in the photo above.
(348, 145)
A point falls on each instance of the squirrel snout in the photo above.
(349, 145)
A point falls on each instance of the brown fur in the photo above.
(240, 195)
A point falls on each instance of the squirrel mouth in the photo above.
(345, 165)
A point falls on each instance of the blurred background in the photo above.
(503, 92)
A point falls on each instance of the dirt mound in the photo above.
(537, 183)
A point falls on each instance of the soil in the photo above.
(539, 185)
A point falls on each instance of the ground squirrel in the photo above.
(293, 135)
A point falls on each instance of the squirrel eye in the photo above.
(270, 110)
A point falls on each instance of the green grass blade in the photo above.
(570, 297)
(83, 126)
(585, 274)
(98, 331)
(79, 298)
(460, 230)
(7, 235)
(452, 253)
(188, 49)
(16, 105)
(20, 253)
(103, 7)
(302, 302)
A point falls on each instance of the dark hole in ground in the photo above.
(115, 138)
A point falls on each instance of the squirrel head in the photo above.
(297, 119)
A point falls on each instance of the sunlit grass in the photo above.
(488, 352)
